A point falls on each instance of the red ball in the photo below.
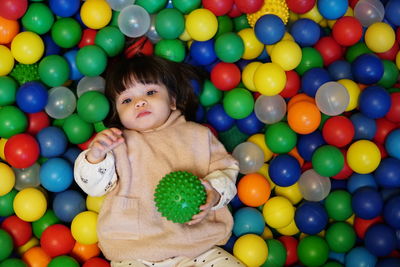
(234, 12)
(346, 170)
(293, 84)
(37, 121)
(329, 49)
(13, 9)
(96, 262)
(88, 37)
(300, 6)
(383, 128)
(338, 131)
(347, 31)
(218, 7)
(212, 129)
(290, 244)
(394, 112)
(20, 230)
(21, 150)
(361, 225)
(249, 6)
(225, 76)
(57, 240)
(390, 54)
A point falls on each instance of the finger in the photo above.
(116, 131)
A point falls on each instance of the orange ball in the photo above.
(300, 97)
(253, 189)
(8, 30)
(36, 257)
(82, 252)
(304, 117)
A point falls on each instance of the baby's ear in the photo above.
(173, 104)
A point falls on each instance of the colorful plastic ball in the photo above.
(219, 8)
(364, 127)
(340, 69)
(329, 49)
(390, 73)
(311, 58)
(201, 24)
(347, 31)
(367, 69)
(83, 227)
(340, 237)
(331, 9)
(250, 157)
(332, 98)
(68, 204)
(203, 52)
(392, 143)
(327, 160)
(96, 262)
(13, 9)
(280, 138)
(305, 32)
(8, 30)
(225, 76)
(379, 37)
(83, 253)
(313, 186)
(229, 47)
(95, 14)
(369, 12)
(250, 125)
(8, 179)
(380, 240)
(290, 243)
(219, 119)
(287, 54)
(367, 203)
(93, 106)
(269, 79)
(300, 7)
(251, 249)
(387, 174)
(308, 143)
(363, 156)
(173, 50)
(270, 109)
(14, 262)
(6, 203)
(32, 97)
(278, 212)
(61, 102)
(252, 46)
(284, 170)
(8, 89)
(313, 79)
(66, 32)
(357, 181)
(91, 60)
(238, 103)
(311, 217)
(392, 8)
(30, 204)
(313, 251)
(338, 205)
(13, 121)
(391, 212)
(63, 261)
(248, 220)
(20, 231)
(6, 243)
(21, 150)
(383, 128)
(360, 256)
(169, 23)
(210, 95)
(49, 218)
(70, 56)
(276, 253)
(27, 47)
(36, 256)
(54, 70)
(134, 21)
(56, 175)
(57, 240)
(304, 117)
(64, 8)
(253, 189)
(292, 84)
(269, 29)
(338, 131)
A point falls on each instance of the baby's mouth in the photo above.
(143, 113)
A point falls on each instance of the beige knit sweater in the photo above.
(129, 226)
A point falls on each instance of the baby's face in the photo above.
(144, 107)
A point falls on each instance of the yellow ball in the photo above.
(27, 47)
(264, 172)
(379, 37)
(259, 140)
(354, 93)
(30, 204)
(267, 233)
(278, 212)
(398, 60)
(363, 156)
(94, 203)
(33, 242)
(248, 74)
(84, 227)
(312, 14)
(3, 142)
(286, 54)
(7, 179)
(201, 24)
(251, 249)
(292, 193)
(7, 60)
(290, 229)
(269, 79)
(252, 46)
(96, 14)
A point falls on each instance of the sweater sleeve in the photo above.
(95, 179)
(223, 172)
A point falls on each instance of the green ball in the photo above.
(54, 70)
(151, 6)
(338, 205)
(327, 160)
(225, 25)
(229, 47)
(8, 90)
(13, 262)
(332, 264)
(111, 40)
(66, 32)
(310, 58)
(390, 74)
(238, 103)
(276, 254)
(340, 237)
(173, 50)
(312, 251)
(356, 50)
(210, 95)
(241, 23)
(49, 218)
(232, 138)
(114, 19)
(280, 138)
(63, 261)
(91, 60)
(6, 203)
(186, 6)
(93, 106)
(170, 23)
(179, 195)
(38, 18)
(77, 130)
(6, 245)
(12, 121)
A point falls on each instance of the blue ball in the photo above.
(236, 203)
(269, 29)
(305, 32)
(388, 262)
(74, 73)
(340, 69)
(308, 143)
(380, 239)
(230, 244)
(32, 97)
(391, 212)
(332, 9)
(392, 143)
(374, 102)
(367, 69)
(51, 48)
(203, 52)
(68, 204)
(64, 8)
(219, 119)
(360, 257)
(71, 154)
(364, 127)
(312, 79)
(357, 180)
(284, 170)
(248, 220)
(392, 11)
(250, 125)
(52, 141)
(387, 175)
(367, 203)
(311, 217)
(56, 175)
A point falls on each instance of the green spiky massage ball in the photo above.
(179, 195)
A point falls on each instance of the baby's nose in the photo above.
(140, 103)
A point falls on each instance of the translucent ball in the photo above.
(61, 102)
(369, 11)
(90, 83)
(134, 21)
(118, 5)
(313, 186)
(332, 98)
(270, 109)
(250, 157)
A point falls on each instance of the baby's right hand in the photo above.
(103, 142)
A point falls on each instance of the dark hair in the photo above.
(177, 78)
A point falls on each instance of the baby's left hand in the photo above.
(213, 198)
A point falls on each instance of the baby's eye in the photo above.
(126, 101)
(151, 92)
